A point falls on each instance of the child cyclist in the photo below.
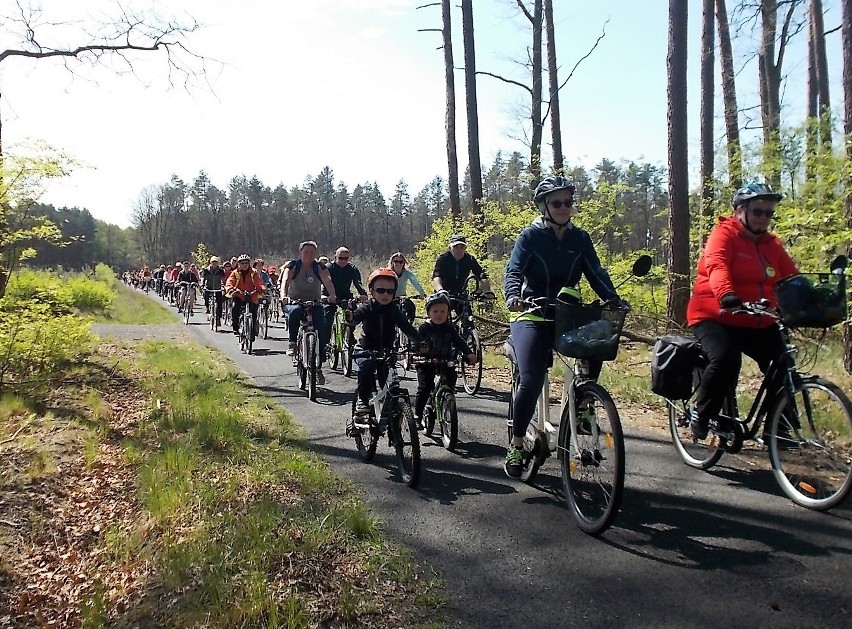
(441, 340)
(379, 318)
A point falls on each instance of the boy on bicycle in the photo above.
(441, 340)
(379, 319)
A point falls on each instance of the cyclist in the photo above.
(304, 281)
(453, 267)
(742, 261)
(399, 265)
(379, 319)
(549, 255)
(266, 298)
(212, 278)
(442, 340)
(244, 280)
(273, 275)
(344, 275)
(186, 275)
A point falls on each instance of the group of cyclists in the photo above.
(742, 261)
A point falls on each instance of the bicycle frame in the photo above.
(391, 390)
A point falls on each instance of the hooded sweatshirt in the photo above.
(736, 261)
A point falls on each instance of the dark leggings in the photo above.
(237, 311)
(724, 346)
(369, 371)
(533, 342)
(426, 381)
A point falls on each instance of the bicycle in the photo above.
(390, 412)
(275, 305)
(471, 375)
(263, 317)
(401, 342)
(442, 404)
(246, 327)
(808, 420)
(342, 338)
(214, 317)
(587, 436)
(186, 302)
(306, 358)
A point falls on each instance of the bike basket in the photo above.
(812, 300)
(588, 331)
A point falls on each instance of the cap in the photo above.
(457, 239)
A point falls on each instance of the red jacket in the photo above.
(245, 281)
(735, 262)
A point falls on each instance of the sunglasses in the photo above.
(399, 261)
(759, 212)
(558, 204)
(342, 257)
(385, 291)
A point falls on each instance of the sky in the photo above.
(294, 86)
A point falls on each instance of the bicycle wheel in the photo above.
(264, 322)
(701, 455)
(311, 362)
(366, 439)
(810, 444)
(187, 310)
(472, 374)
(336, 340)
(449, 419)
(429, 416)
(347, 353)
(406, 442)
(249, 325)
(593, 473)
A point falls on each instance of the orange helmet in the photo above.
(387, 274)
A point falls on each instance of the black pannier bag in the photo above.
(672, 362)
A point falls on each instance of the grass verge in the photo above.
(185, 499)
(135, 308)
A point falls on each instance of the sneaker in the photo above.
(418, 419)
(291, 348)
(320, 377)
(699, 427)
(362, 408)
(514, 464)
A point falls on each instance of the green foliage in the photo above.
(77, 293)
(201, 255)
(105, 275)
(89, 295)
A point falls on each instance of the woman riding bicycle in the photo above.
(742, 261)
(549, 255)
(399, 265)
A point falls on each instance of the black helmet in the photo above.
(437, 298)
(754, 190)
(552, 183)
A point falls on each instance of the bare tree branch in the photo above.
(524, 10)
(505, 80)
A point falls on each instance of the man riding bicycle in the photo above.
(213, 278)
(344, 275)
(742, 261)
(453, 267)
(548, 260)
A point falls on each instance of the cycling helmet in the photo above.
(387, 274)
(244, 258)
(272, 269)
(437, 298)
(552, 183)
(754, 190)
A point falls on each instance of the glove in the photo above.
(515, 304)
(730, 301)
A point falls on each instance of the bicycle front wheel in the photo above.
(367, 438)
(810, 444)
(449, 420)
(264, 322)
(311, 361)
(593, 470)
(472, 374)
(406, 442)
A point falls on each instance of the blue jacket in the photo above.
(541, 263)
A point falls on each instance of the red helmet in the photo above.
(388, 274)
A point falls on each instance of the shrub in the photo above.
(89, 295)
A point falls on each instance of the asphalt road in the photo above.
(688, 549)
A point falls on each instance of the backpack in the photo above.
(672, 362)
(297, 266)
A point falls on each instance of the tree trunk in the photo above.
(553, 79)
(678, 165)
(811, 125)
(708, 59)
(847, 130)
(452, 153)
(729, 96)
(817, 31)
(472, 109)
(535, 105)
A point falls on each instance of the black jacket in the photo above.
(443, 340)
(379, 324)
